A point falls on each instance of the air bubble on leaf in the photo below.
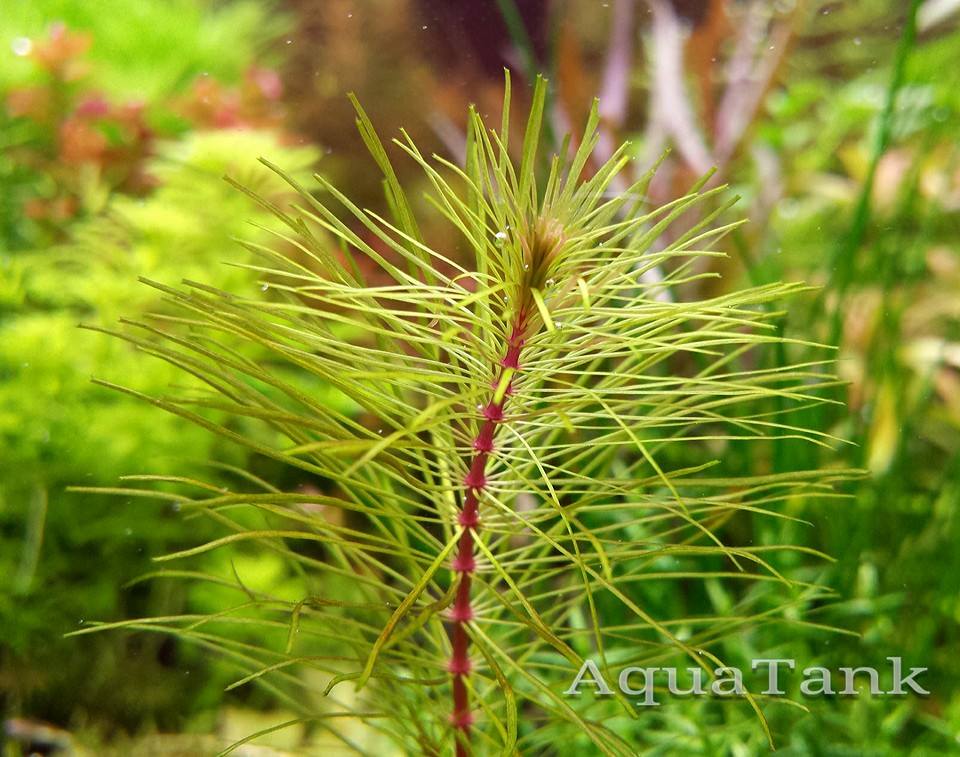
(380, 431)
(264, 287)
(549, 282)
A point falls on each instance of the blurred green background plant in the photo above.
(837, 122)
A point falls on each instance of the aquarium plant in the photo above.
(529, 446)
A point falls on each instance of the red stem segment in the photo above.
(469, 518)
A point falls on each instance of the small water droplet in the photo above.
(264, 287)
(526, 266)
(857, 41)
(549, 282)
(424, 27)
(289, 41)
(380, 431)
(501, 235)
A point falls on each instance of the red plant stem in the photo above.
(469, 518)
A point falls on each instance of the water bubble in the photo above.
(424, 27)
(289, 41)
(526, 266)
(549, 282)
(857, 41)
(264, 287)
(380, 431)
(501, 235)
(22, 46)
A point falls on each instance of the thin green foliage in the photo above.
(601, 480)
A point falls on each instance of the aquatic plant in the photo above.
(541, 420)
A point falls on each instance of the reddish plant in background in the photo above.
(83, 145)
